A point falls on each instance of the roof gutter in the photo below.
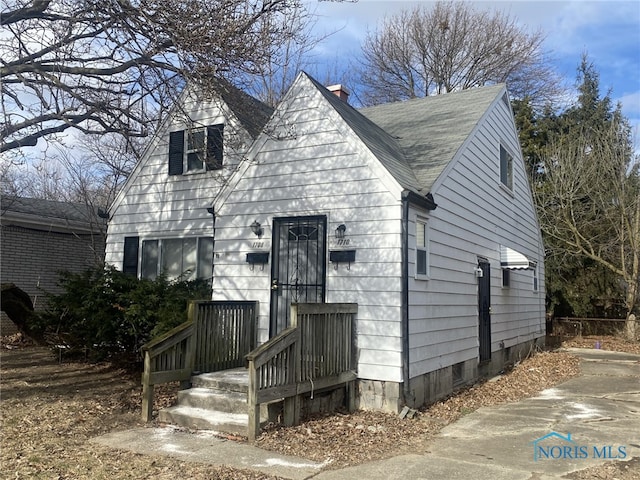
(427, 202)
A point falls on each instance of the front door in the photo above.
(484, 311)
(298, 271)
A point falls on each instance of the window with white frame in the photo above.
(177, 258)
(534, 267)
(194, 150)
(422, 248)
(506, 168)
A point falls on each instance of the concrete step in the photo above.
(204, 419)
(205, 398)
(234, 380)
(217, 401)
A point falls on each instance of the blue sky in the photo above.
(609, 31)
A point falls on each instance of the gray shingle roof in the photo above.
(251, 112)
(430, 130)
(416, 139)
(48, 212)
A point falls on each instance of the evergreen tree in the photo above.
(589, 204)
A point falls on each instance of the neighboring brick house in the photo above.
(39, 239)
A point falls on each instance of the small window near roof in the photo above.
(506, 168)
(422, 248)
(534, 267)
(196, 150)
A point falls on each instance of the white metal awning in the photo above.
(514, 260)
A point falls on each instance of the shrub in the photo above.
(105, 313)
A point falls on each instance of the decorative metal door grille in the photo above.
(299, 266)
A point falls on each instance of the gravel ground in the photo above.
(50, 409)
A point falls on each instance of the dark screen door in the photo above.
(484, 311)
(298, 272)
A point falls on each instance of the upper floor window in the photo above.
(534, 267)
(506, 168)
(198, 149)
(422, 248)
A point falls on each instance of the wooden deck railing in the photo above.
(316, 352)
(216, 336)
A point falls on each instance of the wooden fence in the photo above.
(316, 352)
(216, 336)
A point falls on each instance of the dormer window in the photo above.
(196, 150)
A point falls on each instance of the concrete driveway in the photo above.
(585, 421)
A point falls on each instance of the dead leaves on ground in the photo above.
(343, 440)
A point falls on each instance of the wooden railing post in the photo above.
(291, 407)
(252, 401)
(190, 354)
(147, 389)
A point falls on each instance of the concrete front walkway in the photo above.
(570, 427)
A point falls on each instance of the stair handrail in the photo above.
(276, 371)
(180, 360)
(174, 355)
(288, 339)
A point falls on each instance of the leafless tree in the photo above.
(113, 66)
(90, 173)
(276, 73)
(589, 204)
(451, 47)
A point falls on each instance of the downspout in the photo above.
(427, 202)
(212, 212)
(404, 320)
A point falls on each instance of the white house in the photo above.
(418, 211)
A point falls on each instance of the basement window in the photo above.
(457, 374)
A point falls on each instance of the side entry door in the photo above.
(298, 269)
(484, 311)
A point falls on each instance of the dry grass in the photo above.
(51, 410)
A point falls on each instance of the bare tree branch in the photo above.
(117, 65)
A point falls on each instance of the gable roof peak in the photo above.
(250, 112)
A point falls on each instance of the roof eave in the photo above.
(424, 201)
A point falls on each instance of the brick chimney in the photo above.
(339, 91)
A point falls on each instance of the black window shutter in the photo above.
(176, 152)
(130, 258)
(214, 146)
